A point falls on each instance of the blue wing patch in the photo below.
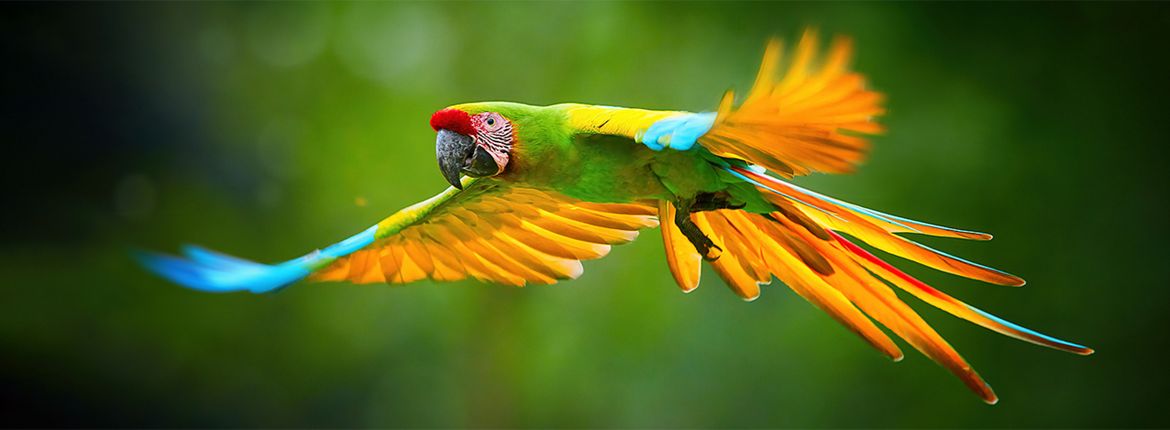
(679, 132)
(211, 271)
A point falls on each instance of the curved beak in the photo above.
(458, 155)
(454, 151)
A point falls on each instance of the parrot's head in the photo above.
(472, 141)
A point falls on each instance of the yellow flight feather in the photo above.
(493, 232)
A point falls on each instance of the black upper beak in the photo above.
(458, 154)
(453, 150)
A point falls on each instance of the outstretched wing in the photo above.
(495, 232)
(491, 231)
(809, 119)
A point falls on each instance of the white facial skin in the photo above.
(494, 134)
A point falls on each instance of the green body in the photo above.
(551, 153)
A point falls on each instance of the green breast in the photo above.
(604, 168)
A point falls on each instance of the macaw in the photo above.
(536, 190)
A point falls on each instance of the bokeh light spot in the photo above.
(402, 46)
(288, 34)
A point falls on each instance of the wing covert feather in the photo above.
(494, 232)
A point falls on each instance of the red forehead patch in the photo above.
(452, 119)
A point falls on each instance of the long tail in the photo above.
(801, 244)
(811, 117)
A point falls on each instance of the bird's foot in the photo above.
(682, 218)
(713, 202)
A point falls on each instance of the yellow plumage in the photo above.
(802, 115)
(614, 121)
(681, 257)
(807, 116)
(806, 120)
(494, 233)
(810, 119)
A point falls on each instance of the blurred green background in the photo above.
(269, 129)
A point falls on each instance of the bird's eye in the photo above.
(491, 121)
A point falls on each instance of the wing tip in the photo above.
(178, 270)
(210, 271)
(1011, 280)
(1066, 346)
(982, 389)
(576, 269)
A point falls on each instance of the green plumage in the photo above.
(551, 153)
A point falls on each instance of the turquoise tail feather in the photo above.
(879, 215)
